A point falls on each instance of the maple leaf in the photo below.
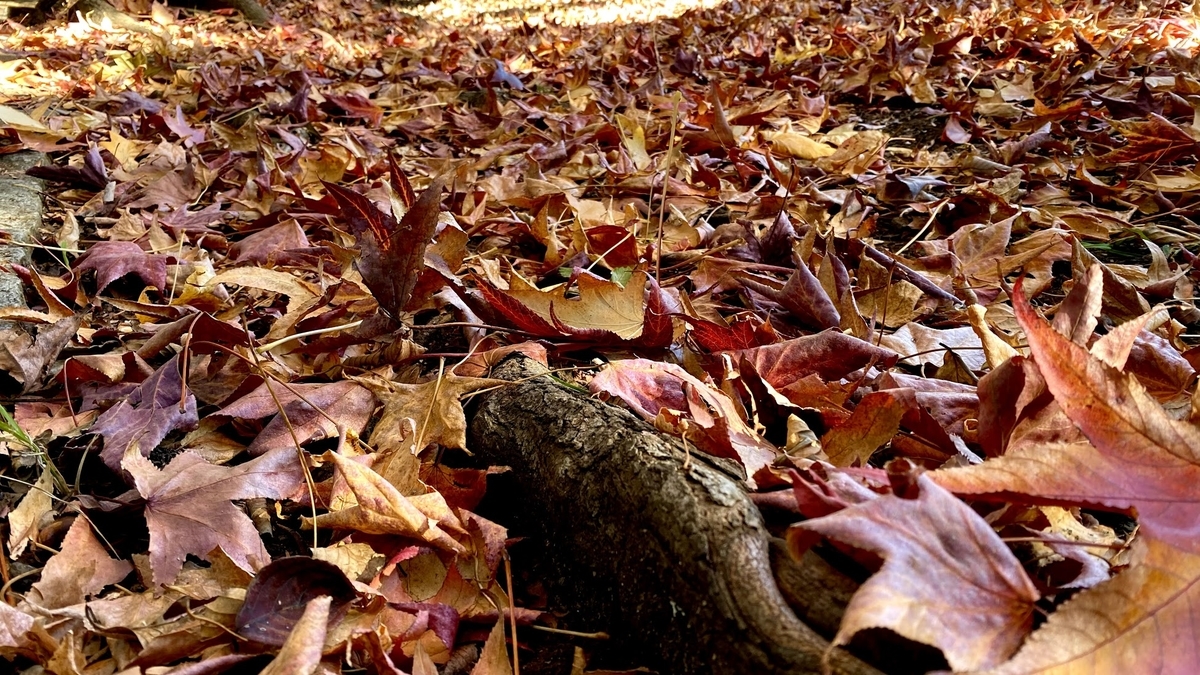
(603, 307)
(160, 405)
(1144, 616)
(830, 354)
(186, 132)
(1154, 141)
(17, 632)
(802, 296)
(24, 359)
(391, 254)
(280, 593)
(91, 175)
(978, 620)
(434, 407)
(188, 509)
(1138, 458)
(81, 568)
(342, 403)
(381, 509)
(357, 106)
(676, 401)
(302, 651)
(112, 260)
(874, 422)
(493, 660)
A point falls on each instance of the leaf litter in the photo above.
(816, 238)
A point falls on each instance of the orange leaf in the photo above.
(381, 509)
(1142, 621)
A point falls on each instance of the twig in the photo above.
(262, 349)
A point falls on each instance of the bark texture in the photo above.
(659, 547)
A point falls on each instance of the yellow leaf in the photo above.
(11, 117)
(602, 305)
(799, 146)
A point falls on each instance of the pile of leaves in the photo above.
(817, 238)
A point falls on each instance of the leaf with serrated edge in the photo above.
(947, 578)
(1141, 621)
(188, 509)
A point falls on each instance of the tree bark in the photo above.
(659, 547)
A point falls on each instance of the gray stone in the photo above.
(20, 220)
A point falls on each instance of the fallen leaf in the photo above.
(160, 405)
(874, 422)
(188, 507)
(301, 653)
(342, 403)
(24, 521)
(112, 260)
(799, 146)
(670, 396)
(25, 359)
(391, 253)
(830, 354)
(493, 660)
(803, 297)
(381, 509)
(279, 597)
(1101, 631)
(81, 568)
(435, 408)
(603, 306)
(979, 620)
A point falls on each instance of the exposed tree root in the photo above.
(659, 547)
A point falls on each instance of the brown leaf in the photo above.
(188, 507)
(1154, 141)
(978, 620)
(25, 359)
(337, 404)
(112, 260)
(678, 402)
(301, 654)
(873, 423)
(434, 407)
(802, 296)
(357, 106)
(603, 306)
(391, 254)
(1101, 630)
(15, 632)
(282, 591)
(25, 520)
(143, 419)
(830, 354)
(381, 509)
(81, 568)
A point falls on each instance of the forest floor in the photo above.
(924, 269)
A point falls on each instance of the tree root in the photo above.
(659, 547)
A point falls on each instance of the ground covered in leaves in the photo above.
(817, 238)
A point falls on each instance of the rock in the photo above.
(20, 220)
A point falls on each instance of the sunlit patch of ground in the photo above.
(500, 14)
